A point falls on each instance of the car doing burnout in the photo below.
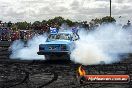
(58, 45)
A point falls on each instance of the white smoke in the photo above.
(28, 51)
(106, 43)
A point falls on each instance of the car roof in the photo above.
(64, 32)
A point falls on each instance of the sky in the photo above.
(76, 10)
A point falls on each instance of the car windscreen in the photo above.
(53, 37)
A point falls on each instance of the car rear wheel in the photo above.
(50, 57)
(55, 57)
(47, 57)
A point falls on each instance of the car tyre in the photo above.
(47, 57)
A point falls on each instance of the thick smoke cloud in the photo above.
(107, 43)
(28, 51)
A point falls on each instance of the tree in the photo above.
(44, 22)
(22, 25)
(108, 19)
(14, 27)
(59, 20)
(69, 22)
(103, 20)
(9, 24)
(37, 25)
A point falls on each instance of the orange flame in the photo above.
(81, 71)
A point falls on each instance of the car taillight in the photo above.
(63, 47)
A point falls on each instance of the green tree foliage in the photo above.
(108, 19)
(9, 24)
(58, 21)
(69, 22)
(37, 25)
(44, 25)
(22, 25)
(103, 20)
(44, 22)
(14, 27)
(94, 23)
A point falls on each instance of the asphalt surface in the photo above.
(54, 74)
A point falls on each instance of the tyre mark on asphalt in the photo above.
(51, 81)
(24, 80)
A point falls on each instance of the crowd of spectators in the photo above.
(8, 35)
(23, 30)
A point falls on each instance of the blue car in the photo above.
(58, 45)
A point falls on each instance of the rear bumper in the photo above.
(53, 53)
